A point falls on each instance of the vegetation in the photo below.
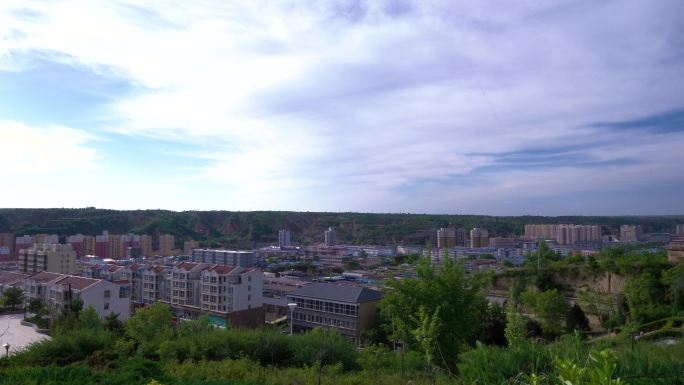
(12, 296)
(214, 228)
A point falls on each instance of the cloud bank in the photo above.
(563, 107)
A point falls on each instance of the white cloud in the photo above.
(36, 151)
(291, 100)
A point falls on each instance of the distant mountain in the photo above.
(246, 229)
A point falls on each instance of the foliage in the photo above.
(551, 310)
(516, 331)
(644, 296)
(577, 320)
(149, 327)
(13, 296)
(444, 292)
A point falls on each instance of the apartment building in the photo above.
(348, 309)
(446, 238)
(223, 257)
(502, 243)
(153, 284)
(54, 258)
(82, 244)
(56, 290)
(330, 237)
(189, 246)
(146, 245)
(631, 233)
(284, 238)
(21, 243)
(229, 289)
(166, 245)
(479, 237)
(564, 234)
(7, 242)
(676, 251)
(10, 279)
(680, 230)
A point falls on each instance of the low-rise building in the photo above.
(223, 257)
(348, 309)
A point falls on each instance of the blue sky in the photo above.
(553, 108)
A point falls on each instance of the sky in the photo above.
(461, 107)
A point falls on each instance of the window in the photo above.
(106, 305)
(107, 294)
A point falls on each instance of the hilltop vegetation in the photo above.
(244, 229)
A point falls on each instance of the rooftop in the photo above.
(77, 283)
(341, 293)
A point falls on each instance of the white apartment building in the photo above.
(56, 290)
(228, 289)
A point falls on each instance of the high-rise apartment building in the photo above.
(631, 233)
(330, 237)
(22, 243)
(82, 244)
(680, 230)
(102, 245)
(446, 238)
(116, 247)
(166, 244)
(283, 238)
(146, 245)
(54, 258)
(7, 242)
(189, 246)
(564, 234)
(479, 237)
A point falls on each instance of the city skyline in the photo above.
(396, 106)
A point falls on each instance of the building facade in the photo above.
(348, 309)
(479, 237)
(631, 233)
(224, 257)
(284, 238)
(54, 258)
(330, 237)
(166, 245)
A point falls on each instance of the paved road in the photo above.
(16, 334)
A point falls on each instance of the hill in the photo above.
(245, 229)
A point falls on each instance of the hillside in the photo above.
(244, 229)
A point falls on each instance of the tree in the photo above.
(13, 296)
(447, 288)
(551, 309)
(674, 281)
(577, 320)
(113, 324)
(516, 329)
(644, 298)
(494, 326)
(150, 326)
(89, 319)
(35, 306)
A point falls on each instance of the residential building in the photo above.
(154, 284)
(446, 238)
(82, 244)
(479, 237)
(10, 279)
(564, 234)
(502, 243)
(45, 238)
(102, 245)
(54, 258)
(56, 290)
(166, 244)
(223, 257)
(116, 247)
(631, 233)
(190, 245)
(348, 309)
(283, 238)
(675, 252)
(146, 245)
(21, 243)
(680, 230)
(330, 237)
(6, 255)
(7, 241)
(229, 289)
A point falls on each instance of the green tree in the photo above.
(445, 287)
(150, 326)
(516, 329)
(89, 318)
(673, 279)
(13, 296)
(644, 297)
(551, 309)
(113, 324)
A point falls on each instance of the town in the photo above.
(332, 285)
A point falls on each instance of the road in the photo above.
(16, 334)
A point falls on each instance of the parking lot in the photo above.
(15, 334)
